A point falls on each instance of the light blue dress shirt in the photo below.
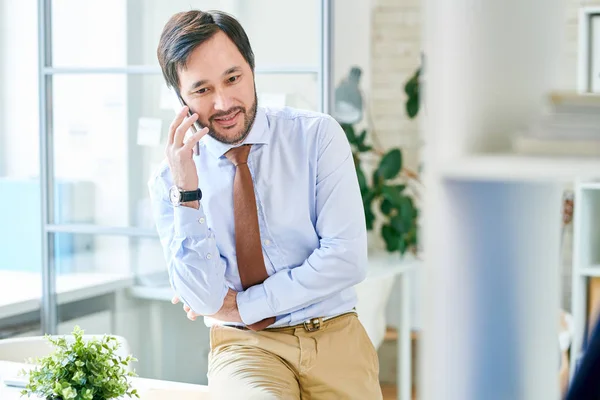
(310, 214)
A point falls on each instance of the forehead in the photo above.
(210, 60)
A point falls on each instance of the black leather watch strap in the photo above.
(191, 195)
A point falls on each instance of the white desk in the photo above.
(382, 266)
(21, 292)
(149, 389)
(390, 266)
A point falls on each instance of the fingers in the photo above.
(191, 315)
(176, 122)
(182, 129)
(189, 145)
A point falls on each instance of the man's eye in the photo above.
(202, 91)
(233, 79)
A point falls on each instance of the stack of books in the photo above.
(570, 127)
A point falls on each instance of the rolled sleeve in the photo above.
(196, 268)
(253, 306)
(190, 222)
(186, 286)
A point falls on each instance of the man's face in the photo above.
(218, 85)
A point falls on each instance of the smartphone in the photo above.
(196, 127)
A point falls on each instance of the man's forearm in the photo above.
(326, 272)
(341, 259)
(196, 269)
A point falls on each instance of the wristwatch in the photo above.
(178, 196)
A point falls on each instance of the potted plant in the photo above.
(81, 370)
(392, 188)
(387, 189)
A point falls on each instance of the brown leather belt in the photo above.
(310, 325)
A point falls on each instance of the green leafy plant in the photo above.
(387, 188)
(81, 370)
(412, 88)
(383, 190)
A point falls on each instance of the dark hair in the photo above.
(186, 30)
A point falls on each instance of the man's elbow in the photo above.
(360, 268)
(357, 261)
(200, 298)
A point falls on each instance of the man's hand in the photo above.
(190, 314)
(180, 153)
(228, 312)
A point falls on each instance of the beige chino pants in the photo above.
(333, 359)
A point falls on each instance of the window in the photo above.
(106, 111)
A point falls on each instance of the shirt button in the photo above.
(201, 220)
(267, 242)
(208, 256)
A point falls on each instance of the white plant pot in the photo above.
(373, 295)
(375, 291)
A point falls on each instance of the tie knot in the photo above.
(238, 155)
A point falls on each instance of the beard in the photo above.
(249, 117)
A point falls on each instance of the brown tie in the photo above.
(251, 264)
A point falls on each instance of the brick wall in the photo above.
(395, 54)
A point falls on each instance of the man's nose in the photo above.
(222, 102)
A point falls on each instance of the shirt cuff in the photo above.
(190, 222)
(252, 305)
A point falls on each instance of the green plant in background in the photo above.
(81, 370)
(399, 228)
(386, 190)
(412, 88)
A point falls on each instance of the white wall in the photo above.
(352, 41)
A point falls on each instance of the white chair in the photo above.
(20, 349)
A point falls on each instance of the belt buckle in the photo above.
(312, 325)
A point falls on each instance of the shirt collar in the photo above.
(259, 134)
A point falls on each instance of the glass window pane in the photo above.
(101, 164)
(282, 32)
(89, 33)
(97, 258)
(94, 276)
(293, 90)
(121, 32)
(20, 195)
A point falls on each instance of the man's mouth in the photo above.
(228, 120)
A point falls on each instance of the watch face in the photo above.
(174, 195)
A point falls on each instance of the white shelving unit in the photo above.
(515, 168)
(586, 259)
(492, 219)
(588, 63)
